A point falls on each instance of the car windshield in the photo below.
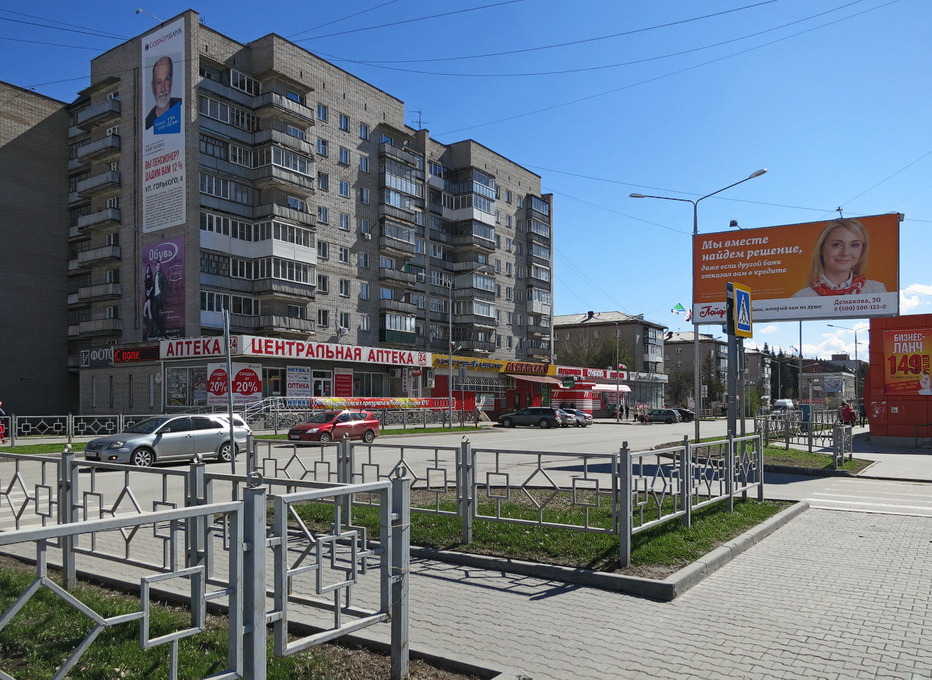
(323, 417)
(147, 426)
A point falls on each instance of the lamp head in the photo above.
(762, 171)
(635, 195)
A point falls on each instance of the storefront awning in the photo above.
(536, 378)
(607, 387)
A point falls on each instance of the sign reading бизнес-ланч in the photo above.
(250, 345)
(846, 267)
(162, 121)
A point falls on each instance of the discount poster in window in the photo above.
(908, 362)
(247, 383)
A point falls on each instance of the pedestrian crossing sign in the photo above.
(742, 311)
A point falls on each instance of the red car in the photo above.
(328, 426)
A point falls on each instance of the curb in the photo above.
(663, 590)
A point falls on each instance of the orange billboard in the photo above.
(845, 267)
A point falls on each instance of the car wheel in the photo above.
(368, 436)
(508, 422)
(326, 437)
(669, 421)
(225, 454)
(544, 423)
(143, 457)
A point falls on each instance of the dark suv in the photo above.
(661, 415)
(542, 416)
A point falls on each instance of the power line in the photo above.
(336, 21)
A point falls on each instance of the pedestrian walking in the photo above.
(862, 413)
(627, 412)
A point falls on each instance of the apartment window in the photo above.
(363, 291)
(346, 320)
(344, 221)
(211, 146)
(323, 318)
(364, 227)
(323, 147)
(363, 164)
(344, 288)
(508, 196)
(296, 204)
(114, 130)
(344, 188)
(508, 245)
(244, 83)
(344, 156)
(363, 322)
(364, 196)
(344, 255)
(296, 311)
(363, 131)
(297, 133)
(113, 202)
(322, 112)
(323, 283)
(344, 123)
(323, 181)
(323, 250)
(363, 260)
(241, 156)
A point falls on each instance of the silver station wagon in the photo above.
(171, 438)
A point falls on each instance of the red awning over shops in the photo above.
(536, 378)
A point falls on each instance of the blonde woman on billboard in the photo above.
(838, 260)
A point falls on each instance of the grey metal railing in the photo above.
(91, 513)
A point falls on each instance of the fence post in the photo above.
(250, 453)
(730, 472)
(686, 481)
(196, 527)
(759, 460)
(838, 445)
(625, 506)
(465, 503)
(401, 557)
(252, 595)
(345, 475)
(66, 491)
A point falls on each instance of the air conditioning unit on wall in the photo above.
(395, 373)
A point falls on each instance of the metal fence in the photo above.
(476, 484)
(815, 429)
(162, 525)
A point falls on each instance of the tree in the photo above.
(590, 352)
(712, 379)
(751, 401)
(680, 386)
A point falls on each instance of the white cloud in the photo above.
(912, 296)
(767, 330)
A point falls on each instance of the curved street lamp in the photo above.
(697, 382)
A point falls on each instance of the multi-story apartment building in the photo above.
(207, 175)
(603, 336)
(34, 377)
(713, 353)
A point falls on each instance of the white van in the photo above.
(783, 405)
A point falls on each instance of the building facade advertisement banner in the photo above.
(297, 385)
(163, 289)
(247, 383)
(846, 267)
(302, 349)
(907, 360)
(162, 121)
(342, 382)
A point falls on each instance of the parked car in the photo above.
(661, 415)
(582, 418)
(169, 438)
(686, 415)
(541, 416)
(567, 419)
(328, 426)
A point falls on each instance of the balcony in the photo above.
(99, 184)
(98, 255)
(280, 138)
(538, 330)
(284, 289)
(537, 307)
(102, 218)
(99, 327)
(77, 232)
(397, 306)
(105, 149)
(397, 337)
(101, 291)
(274, 104)
(475, 241)
(267, 323)
(394, 246)
(272, 176)
(75, 266)
(396, 277)
(98, 114)
(413, 159)
(539, 353)
(476, 346)
(279, 211)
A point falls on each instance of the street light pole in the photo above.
(857, 364)
(697, 380)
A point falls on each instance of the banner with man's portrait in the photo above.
(163, 127)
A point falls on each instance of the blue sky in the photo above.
(605, 98)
